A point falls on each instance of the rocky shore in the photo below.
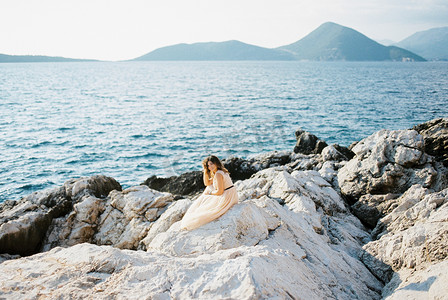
(318, 222)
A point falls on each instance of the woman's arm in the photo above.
(207, 181)
(220, 182)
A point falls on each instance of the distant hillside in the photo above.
(331, 41)
(432, 44)
(230, 50)
(4, 58)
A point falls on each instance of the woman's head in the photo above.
(213, 164)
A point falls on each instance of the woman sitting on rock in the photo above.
(218, 197)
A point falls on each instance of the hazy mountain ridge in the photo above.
(432, 44)
(229, 50)
(328, 42)
(331, 41)
(5, 58)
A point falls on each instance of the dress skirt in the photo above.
(207, 208)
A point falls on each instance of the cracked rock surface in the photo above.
(291, 235)
(25, 223)
(400, 190)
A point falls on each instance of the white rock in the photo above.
(330, 153)
(407, 156)
(255, 187)
(134, 201)
(327, 171)
(173, 214)
(389, 162)
(429, 283)
(417, 234)
(290, 236)
(306, 248)
(88, 209)
(126, 221)
(79, 186)
(244, 224)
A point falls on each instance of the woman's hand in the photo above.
(206, 178)
(206, 172)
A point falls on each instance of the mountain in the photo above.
(431, 44)
(230, 50)
(4, 58)
(331, 41)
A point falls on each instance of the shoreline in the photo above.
(250, 157)
(330, 213)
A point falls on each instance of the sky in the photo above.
(120, 30)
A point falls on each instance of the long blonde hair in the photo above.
(215, 160)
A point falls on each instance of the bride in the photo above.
(218, 197)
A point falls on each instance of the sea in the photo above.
(132, 120)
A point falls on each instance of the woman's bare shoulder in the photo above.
(220, 173)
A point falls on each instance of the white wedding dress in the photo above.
(207, 208)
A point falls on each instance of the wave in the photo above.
(393, 92)
(146, 166)
(140, 156)
(44, 143)
(66, 128)
(142, 136)
(36, 187)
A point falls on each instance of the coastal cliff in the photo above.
(321, 221)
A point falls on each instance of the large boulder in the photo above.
(122, 219)
(435, 134)
(413, 236)
(241, 169)
(398, 184)
(130, 215)
(387, 164)
(185, 184)
(245, 224)
(390, 162)
(308, 143)
(25, 223)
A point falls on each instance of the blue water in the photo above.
(131, 120)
